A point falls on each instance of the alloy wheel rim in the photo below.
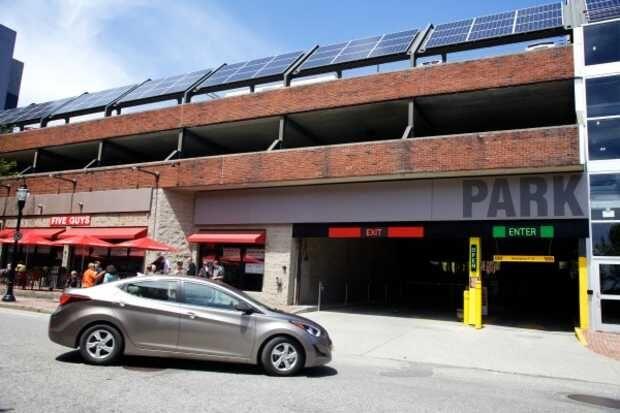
(284, 357)
(100, 344)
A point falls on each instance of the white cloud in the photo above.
(72, 46)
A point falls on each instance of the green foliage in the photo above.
(7, 168)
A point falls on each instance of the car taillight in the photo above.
(72, 298)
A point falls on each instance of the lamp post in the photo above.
(22, 196)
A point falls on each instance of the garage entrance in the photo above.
(425, 276)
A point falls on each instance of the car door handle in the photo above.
(191, 315)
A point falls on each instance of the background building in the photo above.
(362, 188)
(10, 70)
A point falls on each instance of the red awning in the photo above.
(39, 232)
(117, 233)
(228, 238)
(84, 241)
(145, 244)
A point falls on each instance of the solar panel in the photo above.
(532, 19)
(598, 10)
(449, 33)
(495, 25)
(537, 18)
(165, 86)
(7, 116)
(36, 112)
(93, 101)
(361, 49)
(253, 69)
(394, 43)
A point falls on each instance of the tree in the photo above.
(7, 168)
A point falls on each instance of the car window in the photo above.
(207, 296)
(155, 290)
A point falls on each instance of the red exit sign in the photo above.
(70, 221)
(374, 232)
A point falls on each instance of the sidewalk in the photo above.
(607, 344)
(34, 300)
(555, 354)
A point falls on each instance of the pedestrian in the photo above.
(179, 271)
(90, 276)
(110, 274)
(150, 269)
(203, 272)
(191, 267)
(100, 271)
(218, 271)
(73, 279)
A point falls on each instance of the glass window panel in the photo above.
(610, 311)
(605, 196)
(207, 296)
(606, 239)
(604, 139)
(603, 96)
(601, 43)
(154, 290)
(609, 275)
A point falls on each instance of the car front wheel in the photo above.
(282, 356)
(101, 344)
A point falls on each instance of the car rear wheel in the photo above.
(282, 356)
(101, 344)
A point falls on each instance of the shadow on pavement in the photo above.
(155, 364)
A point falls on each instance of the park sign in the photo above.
(523, 231)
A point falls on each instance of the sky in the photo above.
(72, 46)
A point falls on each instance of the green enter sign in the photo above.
(523, 231)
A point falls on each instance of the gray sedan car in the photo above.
(185, 317)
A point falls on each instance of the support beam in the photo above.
(35, 160)
(282, 130)
(100, 153)
(273, 145)
(409, 130)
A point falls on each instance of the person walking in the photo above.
(90, 276)
(191, 267)
(179, 270)
(218, 271)
(110, 274)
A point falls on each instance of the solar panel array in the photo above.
(92, 101)
(598, 10)
(165, 86)
(532, 19)
(32, 112)
(253, 69)
(362, 49)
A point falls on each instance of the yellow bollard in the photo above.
(584, 311)
(466, 307)
(476, 298)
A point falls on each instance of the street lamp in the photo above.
(22, 196)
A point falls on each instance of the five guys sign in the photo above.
(70, 221)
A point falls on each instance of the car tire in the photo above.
(282, 356)
(101, 344)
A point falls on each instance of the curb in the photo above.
(27, 308)
(581, 336)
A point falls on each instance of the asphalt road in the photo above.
(39, 376)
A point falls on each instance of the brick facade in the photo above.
(495, 72)
(492, 152)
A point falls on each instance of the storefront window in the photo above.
(243, 266)
(610, 311)
(603, 96)
(606, 239)
(601, 43)
(605, 196)
(604, 139)
(609, 275)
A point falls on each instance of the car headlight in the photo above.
(313, 331)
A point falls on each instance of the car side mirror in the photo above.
(244, 307)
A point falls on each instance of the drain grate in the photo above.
(596, 400)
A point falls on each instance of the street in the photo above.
(39, 376)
